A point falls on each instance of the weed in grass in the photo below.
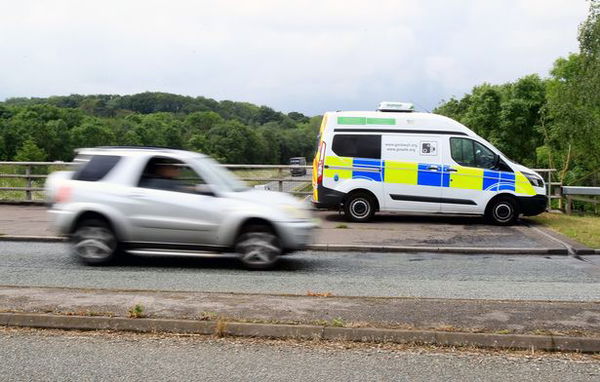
(208, 316)
(503, 331)
(220, 328)
(342, 226)
(337, 322)
(136, 311)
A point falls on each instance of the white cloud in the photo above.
(310, 56)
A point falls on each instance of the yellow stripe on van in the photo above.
(342, 167)
(522, 185)
(467, 178)
(401, 172)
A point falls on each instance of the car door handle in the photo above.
(433, 168)
(136, 195)
(450, 169)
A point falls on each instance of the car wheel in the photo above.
(502, 211)
(359, 207)
(258, 248)
(94, 242)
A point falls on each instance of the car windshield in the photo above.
(220, 176)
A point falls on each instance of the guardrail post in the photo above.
(28, 196)
(280, 182)
(569, 205)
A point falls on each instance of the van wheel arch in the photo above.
(363, 191)
(505, 201)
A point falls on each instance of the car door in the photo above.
(174, 214)
(413, 176)
(476, 174)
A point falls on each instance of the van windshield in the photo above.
(219, 176)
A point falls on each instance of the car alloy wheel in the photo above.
(258, 250)
(94, 243)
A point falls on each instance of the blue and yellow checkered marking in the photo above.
(389, 171)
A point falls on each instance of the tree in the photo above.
(92, 133)
(30, 152)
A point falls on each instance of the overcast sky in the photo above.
(310, 56)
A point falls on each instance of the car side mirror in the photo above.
(204, 189)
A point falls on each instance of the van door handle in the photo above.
(450, 169)
(433, 168)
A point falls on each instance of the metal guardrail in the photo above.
(279, 182)
(580, 194)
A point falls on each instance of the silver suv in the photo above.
(149, 201)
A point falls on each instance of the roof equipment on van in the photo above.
(396, 106)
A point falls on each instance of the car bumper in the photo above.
(296, 235)
(61, 221)
(533, 205)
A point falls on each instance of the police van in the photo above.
(396, 159)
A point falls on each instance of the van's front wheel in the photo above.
(359, 207)
(502, 211)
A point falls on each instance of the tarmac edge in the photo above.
(312, 332)
(362, 248)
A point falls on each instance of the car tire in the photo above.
(359, 207)
(94, 242)
(502, 211)
(258, 247)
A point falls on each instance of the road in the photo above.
(518, 277)
(55, 356)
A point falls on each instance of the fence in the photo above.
(24, 181)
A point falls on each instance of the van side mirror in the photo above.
(203, 189)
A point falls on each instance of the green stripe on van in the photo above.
(351, 121)
(381, 121)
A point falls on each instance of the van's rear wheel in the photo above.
(502, 211)
(359, 207)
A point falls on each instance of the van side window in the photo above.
(357, 146)
(467, 152)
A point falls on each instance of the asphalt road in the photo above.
(343, 274)
(48, 356)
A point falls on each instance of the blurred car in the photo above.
(298, 166)
(151, 201)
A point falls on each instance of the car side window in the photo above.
(169, 175)
(467, 152)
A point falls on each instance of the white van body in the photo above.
(370, 161)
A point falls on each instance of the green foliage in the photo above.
(231, 131)
(30, 152)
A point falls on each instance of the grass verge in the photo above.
(584, 229)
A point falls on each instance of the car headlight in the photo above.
(535, 180)
(295, 212)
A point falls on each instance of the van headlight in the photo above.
(535, 180)
(295, 212)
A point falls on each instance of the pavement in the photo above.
(388, 231)
(76, 356)
(479, 316)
